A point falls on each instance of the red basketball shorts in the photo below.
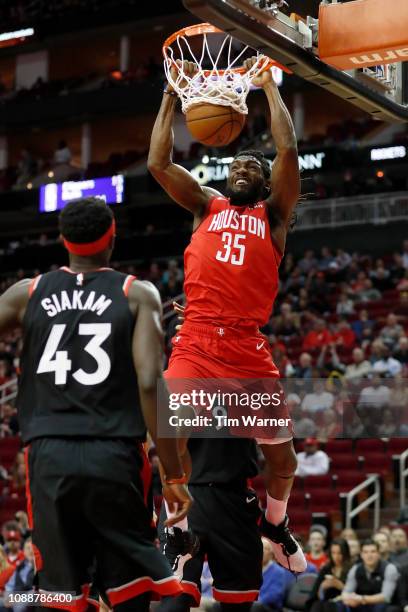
(202, 352)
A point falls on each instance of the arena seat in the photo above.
(324, 500)
(369, 446)
(377, 463)
(339, 446)
(300, 520)
(397, 446)
(346, 480)
(318, 482)
(348, 462)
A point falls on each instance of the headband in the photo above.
(91, 248)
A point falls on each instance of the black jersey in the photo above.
(222, 460)
(77, 373)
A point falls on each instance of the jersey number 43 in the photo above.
(53, 360)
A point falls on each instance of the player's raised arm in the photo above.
(148, 361)
(13, 303)
(180, 185)
(285, 176)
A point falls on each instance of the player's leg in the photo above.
(188, 567)
(128, 564)
(234, 544)
(62, 540)
(280, 467)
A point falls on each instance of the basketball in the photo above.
(213, 124)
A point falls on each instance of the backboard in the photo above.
(376, 82)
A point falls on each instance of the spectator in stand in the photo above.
(402, 285)
(282, 362)
(294, 282)
(405, 254)
(374, 396)
(286, 324)
(308, 262)
(23, 577)
(363, 327)
(381, 277)
(397, 268)
(316, 547)
(274, 343)
(345, 305)
(368, 293)
(392, 331)
(399, 547)
(343, 259)
(62, 153)
(401, 350)
(389, 426)
(12, 546)
(331, 579)
(370, 584)
(304, 426)
(317, 337)
(330, 427)
(326, 258)
(358, 284)
(174, 271)
(318, 401)
(344, 335)
(399, 398)
(355, 549)
(312, 461)
(9, 424)
(387, 366)
(384, 544)
(328, 361)
(272, 591)
(360, 368)
(305, 368)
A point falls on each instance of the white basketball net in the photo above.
(213, 85)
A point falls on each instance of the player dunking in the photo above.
(92, 344)
(231, 278)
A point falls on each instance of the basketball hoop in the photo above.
(212, 84)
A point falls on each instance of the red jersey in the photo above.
(231, 266)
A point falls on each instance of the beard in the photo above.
(244, 197)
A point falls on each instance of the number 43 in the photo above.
(53, 360)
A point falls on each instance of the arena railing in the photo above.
(6, 395)
(358, 210)
(403, 474)
(375, 498)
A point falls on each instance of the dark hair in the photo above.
(370, 542)
(344, 549)
(266, 169)
(85, 220)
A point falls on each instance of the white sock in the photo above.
(275, 510)
(183, 524)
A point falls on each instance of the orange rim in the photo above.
(207, 28)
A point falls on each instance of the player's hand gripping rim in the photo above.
(190, 69)
(179, 502)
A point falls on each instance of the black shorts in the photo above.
(226, 520)
(90, 520)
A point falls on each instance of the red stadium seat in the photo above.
(345, 462)
(339, 446)
(396, 446)
(370, 445)
(324, 500)
(377, 463)
(318, 482)
(347, 480)
(300, 520)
